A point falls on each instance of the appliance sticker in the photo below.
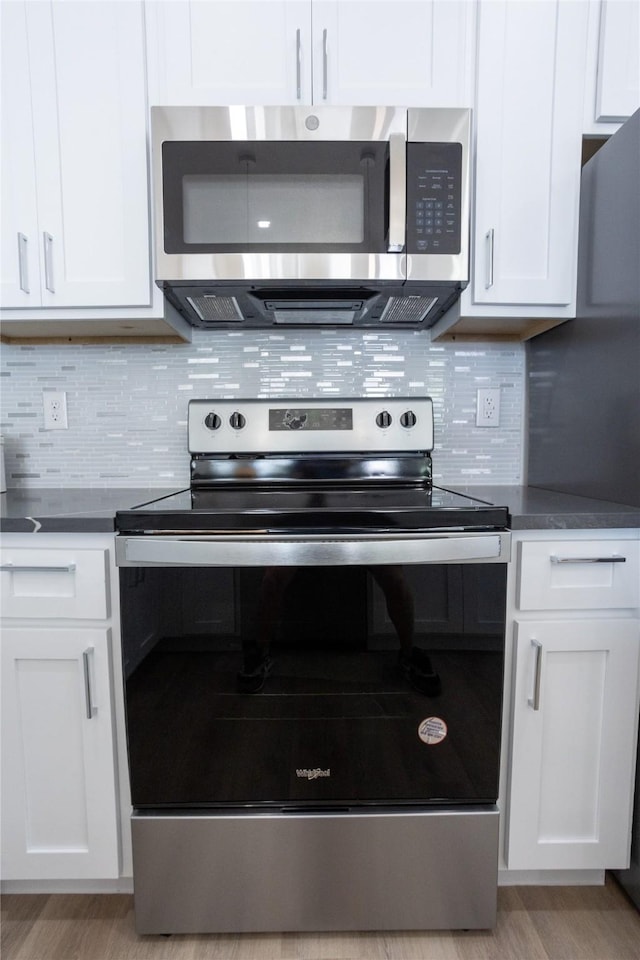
(432, 730)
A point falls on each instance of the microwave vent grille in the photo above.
(407, 309)
(213, 309)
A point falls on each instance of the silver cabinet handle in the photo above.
(28, 568)
(397, 192)
(489, 238)
(615, 558)
(48, 262)
(325, 65)
(298, 65)
(534, 701)
(90, 709)
(23, 263)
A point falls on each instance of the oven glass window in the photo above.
(313, 686)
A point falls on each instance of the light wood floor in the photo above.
(534, 923)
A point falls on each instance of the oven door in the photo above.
(318, 673)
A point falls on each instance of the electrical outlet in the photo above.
(55, 410)
(488, 407)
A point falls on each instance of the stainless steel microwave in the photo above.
(326, 216)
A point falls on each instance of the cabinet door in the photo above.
(59, 814)
(618, 77)
(89, 116)
(575, 719)
(19, 267)
(229, 51)
(529, 136)
(393, 52)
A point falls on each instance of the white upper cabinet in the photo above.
(374, 52)
(613, 69)
(229, 51)
(389, 52)
(528, 152)
(19, 264)
(75, 215)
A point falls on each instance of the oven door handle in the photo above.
(257, 551)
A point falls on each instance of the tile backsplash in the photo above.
(127, 404)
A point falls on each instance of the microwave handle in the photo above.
(397, 192)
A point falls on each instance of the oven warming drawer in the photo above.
(417, 870)
(254, 551)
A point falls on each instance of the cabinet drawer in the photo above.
(578, 575)
(38, 583)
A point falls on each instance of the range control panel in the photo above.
(434, 197)
(362, 425)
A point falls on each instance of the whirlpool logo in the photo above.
(313, 774)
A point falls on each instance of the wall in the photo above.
(584, 376)
(127, 404)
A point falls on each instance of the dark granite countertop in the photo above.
(533, 508)
(71, 510)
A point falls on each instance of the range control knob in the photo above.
(408, 419)
(237, 420)
(384, 419)
(212, 421)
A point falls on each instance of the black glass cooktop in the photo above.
(373, 508)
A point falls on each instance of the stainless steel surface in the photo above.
(49, 281)
(612, 559)
(86, 665)
(334, 123)
(429, 869)
(365, 437)
(23, 263)
(534, 701)
(490, 239)
(230, 550)
(325, 65)
(252, 267)
(30, 568)
(397, 192)
(298, 66)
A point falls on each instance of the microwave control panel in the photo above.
(434, 197)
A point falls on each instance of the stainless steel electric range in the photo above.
(313, 647)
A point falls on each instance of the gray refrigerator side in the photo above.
(584, 376)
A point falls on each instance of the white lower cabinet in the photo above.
(574, 728)
(59, 810)
(575, 657)
(62, 743)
